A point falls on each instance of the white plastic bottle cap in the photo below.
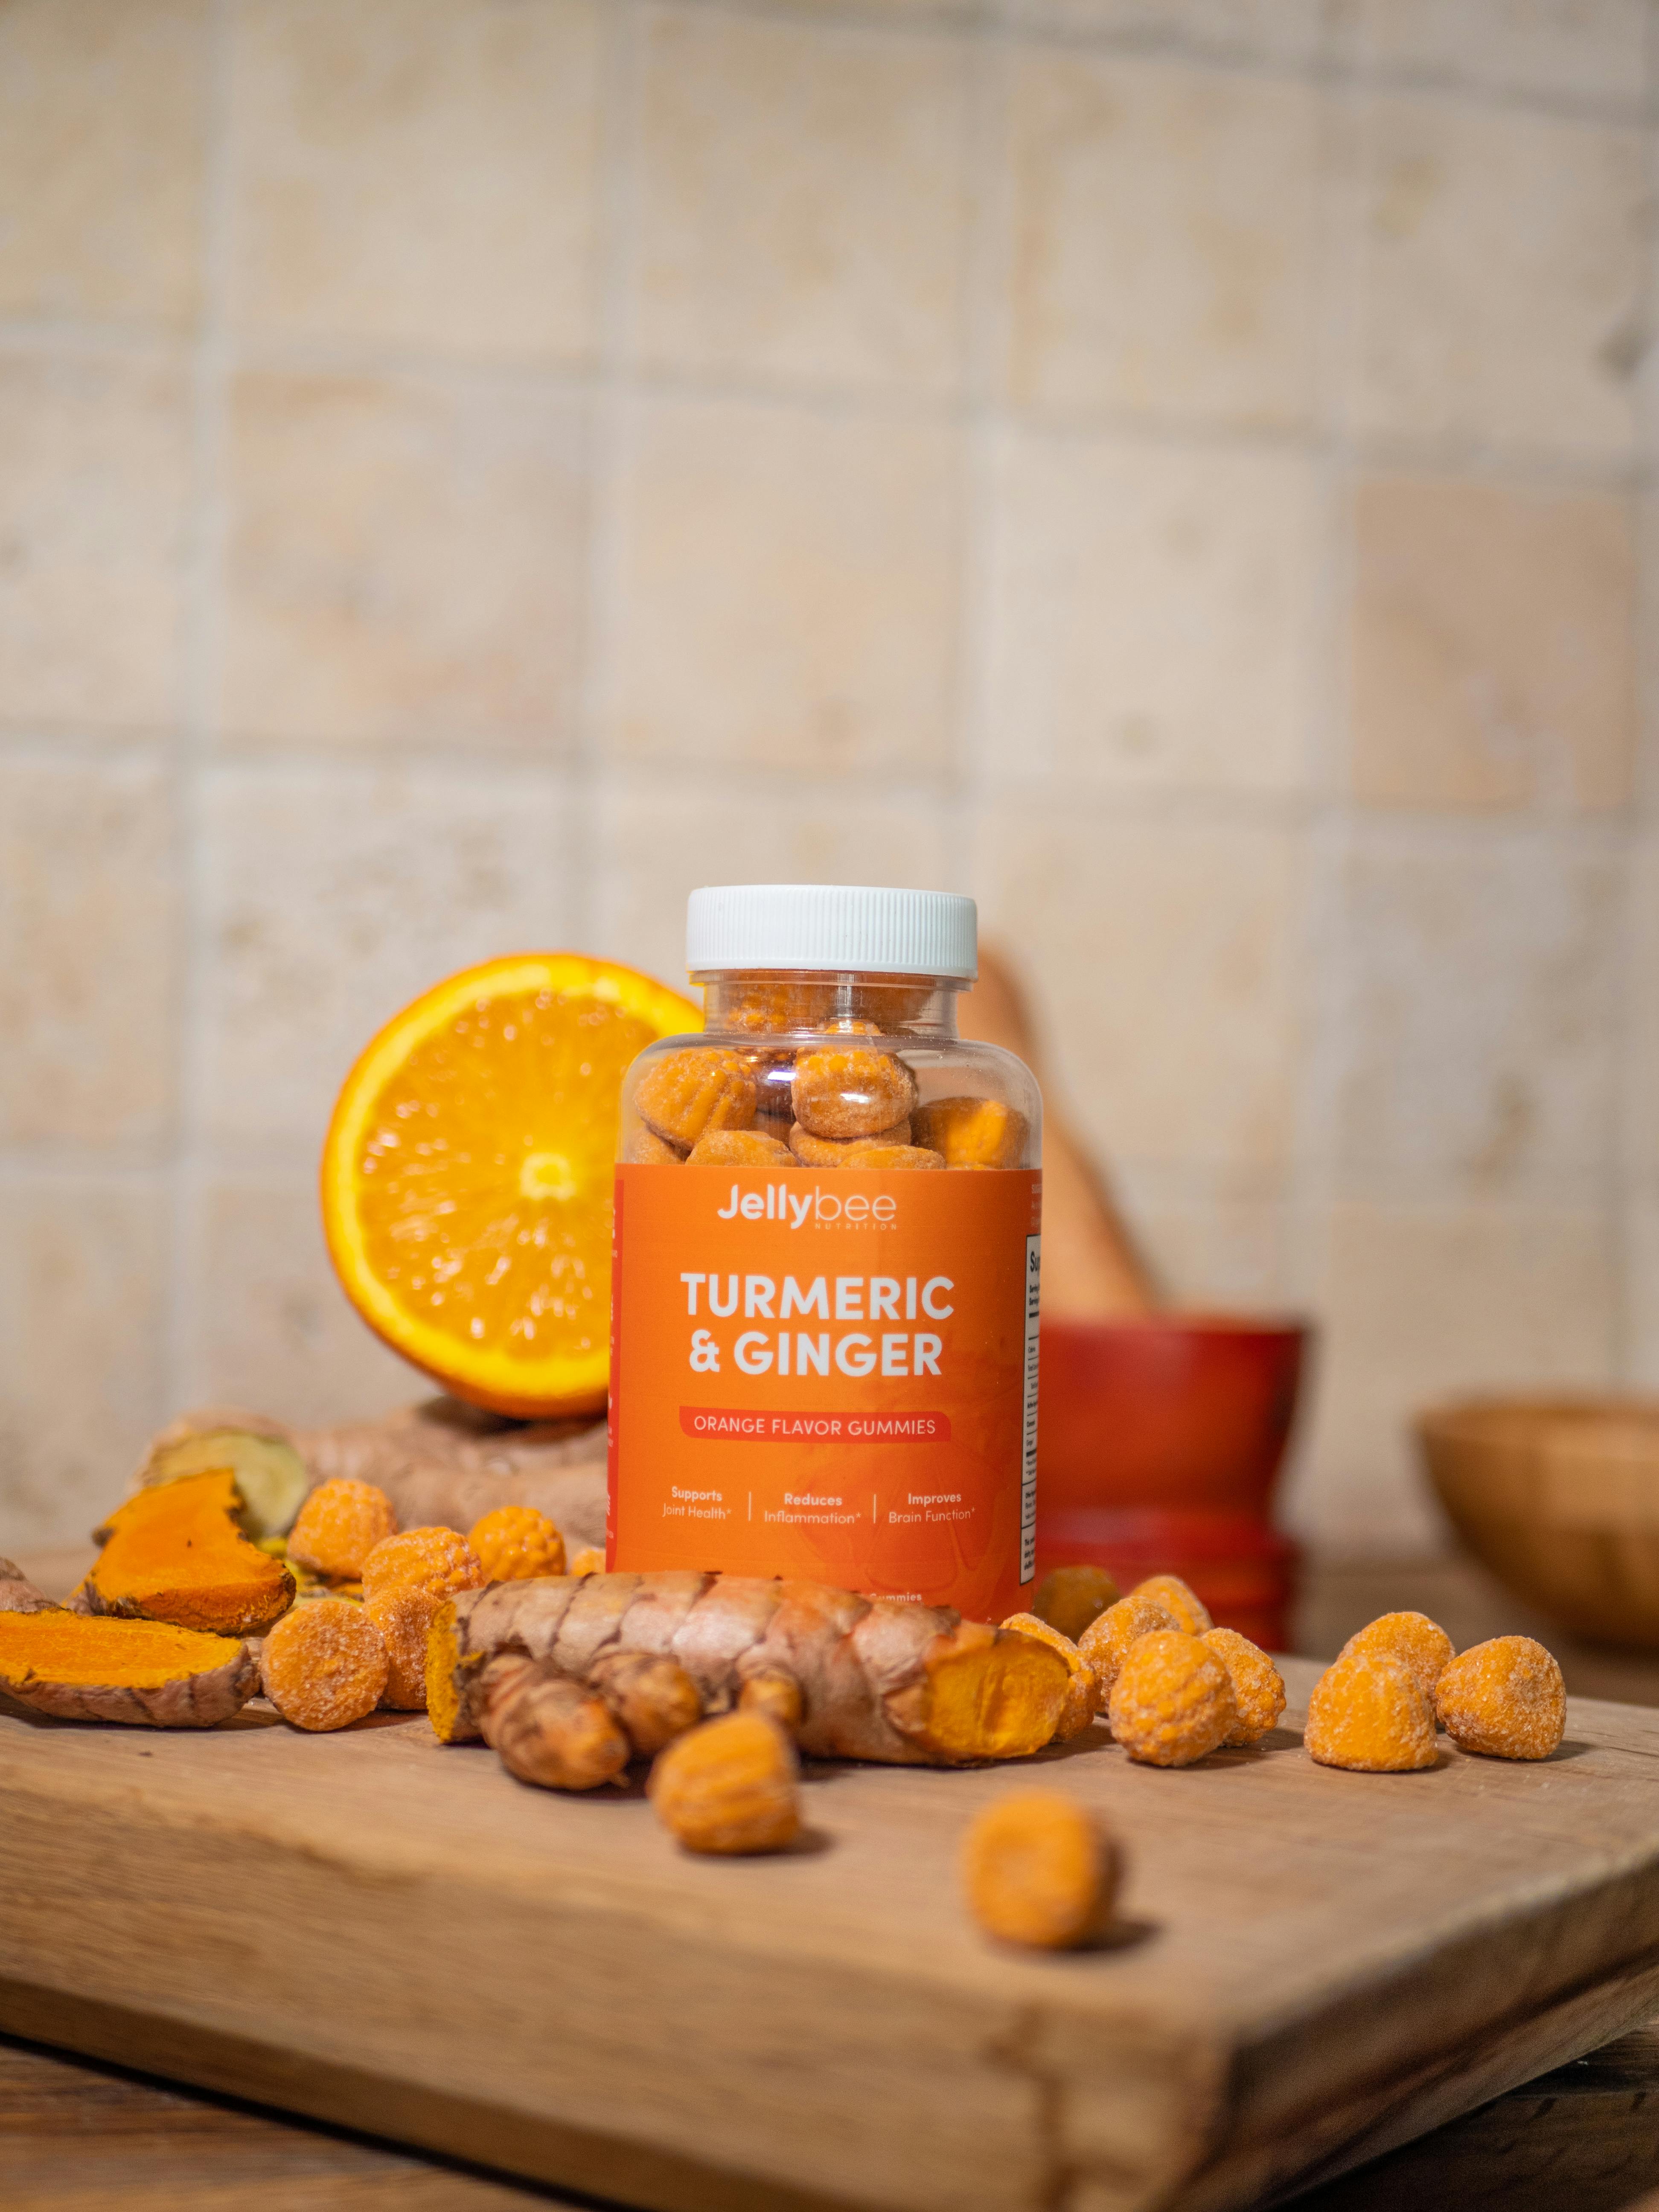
(831, 928)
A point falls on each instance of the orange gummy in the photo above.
(1258, 1686)
(699, 1087)
(824, 1152)
(1040, 1871)
(738, 1148)
(324, 1665)
(1422, 1648)
(1107, 1639)
(405, 1580)
(1183, 1599)
(1070, 1598)
(1367, 1712)
(886, 1159)
(978, 1133)
(588, 1561)
(645, 1148)
(1504, 1699)
(517, 1544)
(852, 1093)
(1172, 1702)
(338, 1526)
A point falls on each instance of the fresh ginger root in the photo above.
(405, 1579)
(1070, 1599)
(729, 1788)
(1504, 1699)
(337, 1527)
(1039, 1871)
(144, 1673)
(175, 1552)
(324, 1665)
(515, 1543)
(906, 1684)
(1082, 1694)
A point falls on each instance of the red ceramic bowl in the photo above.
(1186, 1411)
(1158, 1445)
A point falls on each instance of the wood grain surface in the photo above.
(74, 2136)
(1310, 1967)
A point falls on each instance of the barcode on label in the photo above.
(1028, 1467)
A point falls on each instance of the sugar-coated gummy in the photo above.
(855, 1092)
(698, 1087)
(1172, 1702)
(1504, 1699)
(1421, 1646)
(1368, 1712)
(1258, 1686)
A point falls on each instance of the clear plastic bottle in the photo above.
(824, 1290)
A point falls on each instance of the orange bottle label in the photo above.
(828, 1375)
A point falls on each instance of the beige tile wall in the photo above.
(471, 470)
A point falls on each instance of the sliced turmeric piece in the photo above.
(175, 1553)
(272, 1476)
(145, 1674)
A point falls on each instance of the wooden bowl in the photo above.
(1559, 1497)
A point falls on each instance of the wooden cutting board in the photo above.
(1311, 1966)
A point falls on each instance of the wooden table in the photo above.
(72, 2136)
(1584, 2138)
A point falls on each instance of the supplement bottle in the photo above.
(825, 1288)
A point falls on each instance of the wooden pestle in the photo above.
(1091, 1270)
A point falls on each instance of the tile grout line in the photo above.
(1320, 944)
(187, 1293)
(1623, 1175)
(616, 229)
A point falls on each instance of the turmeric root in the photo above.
(905, 1685)
(729, 1788)
(1082, 1696)
(146, 1673)
(324, 1665)
(651, 1697)
(1040, 1871)
(548, 1729)
(271, 1477)
(175, 1553)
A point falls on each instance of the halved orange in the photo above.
(467, 1175)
